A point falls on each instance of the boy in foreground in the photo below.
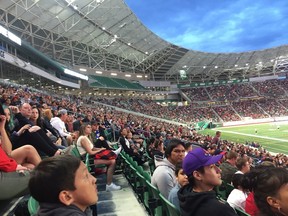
(63, 186)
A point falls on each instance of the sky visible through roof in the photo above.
(216, 25)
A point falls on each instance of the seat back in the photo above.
(170, 209)
(33, 206)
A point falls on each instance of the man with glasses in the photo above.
(164, 175)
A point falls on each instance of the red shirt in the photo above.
(7, 164)
(250, 206)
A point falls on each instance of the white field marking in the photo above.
(251, 135)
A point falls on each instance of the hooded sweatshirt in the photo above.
(202, 203)
(164, 176)
(52, 209)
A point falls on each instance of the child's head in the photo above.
(180, 175)
(63, 179)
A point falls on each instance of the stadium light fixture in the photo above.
(98, 72)
(216, 66)
(139, 76)
(83, 69)
(113, 74)
(204, 67)
(127, 75)
(75, 74)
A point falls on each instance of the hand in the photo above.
(34, 129)
(101, 138)
(2, 121)
(20, 167)
(14, 109)
(59, 141)
(23, 129)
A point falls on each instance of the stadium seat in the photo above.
(170, 209)
(241, 212)
(33, 206)
(154, 202)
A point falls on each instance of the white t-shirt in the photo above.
(81, 150)
(237, 198)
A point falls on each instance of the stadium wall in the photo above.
(255, 121)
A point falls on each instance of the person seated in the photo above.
(63, 186)
(15, 165)
(85, 146)
(228, 167)
(164, 175)
(198, 198)
(270, 192)
(182, 180)
(133, 152)
(237, 197)
(58, 123)
(158, 150)
(25, 133)
(36, 119)
(242, 165)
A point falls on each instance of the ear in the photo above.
(273, 202)
(66, 197)
(197, 175)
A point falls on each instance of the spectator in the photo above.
(15, 166)
(164, 175)
(242, 165)
(237, 197)
(271, 192)
(85, 145)
(198, 198)
(63, 186)
(25, 133)
(228, 167)
(182, 180)
(59, 124)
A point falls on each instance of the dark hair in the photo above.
(178, 167)
(187, 145)
(52, 176)
(268, 184)
(39, 120)
(157, 143)
(250, 178)
(237, 180)
(171, 145)
(191, 178)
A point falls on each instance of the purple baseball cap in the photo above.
(197, 158)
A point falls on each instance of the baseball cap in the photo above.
(197, 158)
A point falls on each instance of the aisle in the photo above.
(120, 203)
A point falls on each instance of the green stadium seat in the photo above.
(170, 209)
(241, 212)
(33, 206)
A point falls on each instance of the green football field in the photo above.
(272, 136)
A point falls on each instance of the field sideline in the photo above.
(272, 136)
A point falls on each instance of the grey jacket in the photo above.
(164, 176)
(54, 209)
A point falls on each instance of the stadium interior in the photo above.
(98, 54)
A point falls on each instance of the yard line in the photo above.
(251, 135)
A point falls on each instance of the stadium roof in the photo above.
(106, 35)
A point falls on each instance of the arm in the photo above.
(5, 141)
(125, 147)
(85, 143)
(59, 127)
